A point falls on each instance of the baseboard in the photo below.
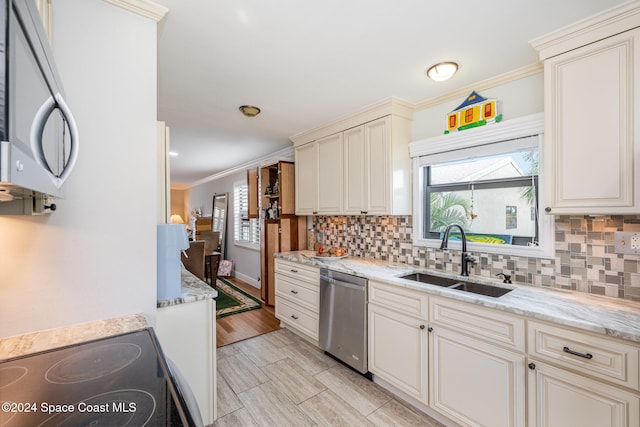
(248, 279)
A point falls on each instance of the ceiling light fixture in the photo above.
(442, 71)
(249, 110)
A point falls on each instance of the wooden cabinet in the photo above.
(592, 115)
(477, 365)
(252, 193)
(359, 165)
(297, 289)
(280, 229)
(398, 338)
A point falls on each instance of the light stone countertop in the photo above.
(74, 334)
(193, 289)
(603, 315)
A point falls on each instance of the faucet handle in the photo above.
(506, 277)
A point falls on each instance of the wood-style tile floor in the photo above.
(279, 379)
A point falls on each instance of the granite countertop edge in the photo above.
(613, 317)
(35, 342)
(192, 290)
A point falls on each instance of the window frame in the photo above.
(238, 218)
(508, 136)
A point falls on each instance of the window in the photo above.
(474, 192)
(488, 182)
(246, 230)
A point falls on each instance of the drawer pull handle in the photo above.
(294, 292)
(294, 317)
(293, 270)
(575, 353)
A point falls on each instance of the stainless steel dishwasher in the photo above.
(343, 318)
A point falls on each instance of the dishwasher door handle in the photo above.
(332, 281)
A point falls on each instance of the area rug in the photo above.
(232, 300)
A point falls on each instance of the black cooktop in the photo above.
(116, 381)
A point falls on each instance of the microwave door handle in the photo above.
(73, 138)
(37, 128)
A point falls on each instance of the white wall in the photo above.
(519, 98)
(95, 257)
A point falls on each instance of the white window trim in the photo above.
(483, 141)
(237, 217)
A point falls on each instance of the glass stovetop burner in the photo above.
(115, 381)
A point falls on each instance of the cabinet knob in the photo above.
(422, 326)
(532, 366)
(547, 209)
(430, 329)
(294, 317)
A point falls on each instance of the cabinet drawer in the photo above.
(300, 271)
(299, 292)
(484, 323)
(407, 301)
(593, 355)
(297, 317)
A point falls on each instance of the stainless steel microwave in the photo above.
(38, 135)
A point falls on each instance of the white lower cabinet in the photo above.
(297, 297)
(187, 334)
(477, 364)
(559, 398)
(398, 350)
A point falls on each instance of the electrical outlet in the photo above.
(626, 242)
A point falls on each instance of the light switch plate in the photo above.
(627, 242)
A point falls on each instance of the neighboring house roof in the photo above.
(478, 170)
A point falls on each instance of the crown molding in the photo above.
(386, 107)
(501, 79)
(605, 24)
(284, 154)
(145, 8)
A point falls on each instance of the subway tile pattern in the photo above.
(584, 259)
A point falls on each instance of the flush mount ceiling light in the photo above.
(249, 110)
(442, 71)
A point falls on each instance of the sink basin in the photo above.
(479, 288)
(431, 279)
(447, 282)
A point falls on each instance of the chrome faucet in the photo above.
(466, 258)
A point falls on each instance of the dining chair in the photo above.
(212, 239)
(194, 261)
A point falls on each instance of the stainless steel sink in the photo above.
(431, 279)
(482, 289)
(447, 282)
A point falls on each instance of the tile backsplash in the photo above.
(584, 260)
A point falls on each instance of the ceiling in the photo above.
(306, 62)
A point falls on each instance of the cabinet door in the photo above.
(252, 184)
(398, 351)
(286, 172)
(329, 178)
(377, 165)
(354, 171)
(269, 244)
(558, 398)
(591, 116)
(305, 186)
(475, 383)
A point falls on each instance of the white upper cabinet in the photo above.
(592, 115)
(362, 167)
